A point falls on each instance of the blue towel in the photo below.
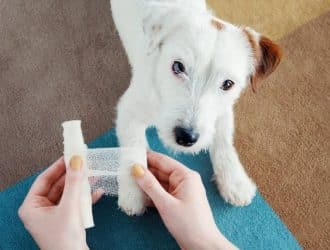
(252, 227)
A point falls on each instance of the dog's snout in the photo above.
(185, 136)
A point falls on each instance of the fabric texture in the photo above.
(105, 163)
(252, 227)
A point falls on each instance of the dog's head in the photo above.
(200, 66)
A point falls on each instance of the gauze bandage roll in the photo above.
(106, 164)
(102, 166)
(74, 145)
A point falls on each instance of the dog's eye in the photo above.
(227, 85)
(178, 68)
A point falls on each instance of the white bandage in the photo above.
(106, 164)
(74, 145)
(103, 165)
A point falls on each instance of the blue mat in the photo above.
(252, 227)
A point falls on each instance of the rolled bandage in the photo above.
(74, 145)
(104, 165)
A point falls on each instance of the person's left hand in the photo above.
(51, 212)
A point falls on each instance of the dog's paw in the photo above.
(132, 202)
(238, 191)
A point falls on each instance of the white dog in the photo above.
(188, 69)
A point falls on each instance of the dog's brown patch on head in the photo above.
(217, 24)
(267, 56)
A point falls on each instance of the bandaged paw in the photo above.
(105, 168)
(131, 199)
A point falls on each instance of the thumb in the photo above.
(150, 185)
(73, 181)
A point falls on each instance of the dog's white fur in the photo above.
(156, 33)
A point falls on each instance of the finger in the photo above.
(149, 203)
(45, 180)
(161, 176)
(164, 163)
(73, 182)
(149, 184)
(97, 195)
(165, 185)
(56, 190)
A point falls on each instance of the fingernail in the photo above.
(76, 162)
(137, 170)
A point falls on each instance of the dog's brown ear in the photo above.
(267, 57)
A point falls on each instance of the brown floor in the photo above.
(59, 60)
(274, 18)
(283, 134)
(63, 60)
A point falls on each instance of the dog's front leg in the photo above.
(130, 128)
(233, 182)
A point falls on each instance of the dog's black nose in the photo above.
(185, 136)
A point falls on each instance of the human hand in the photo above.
(180, 198)
(51, 212)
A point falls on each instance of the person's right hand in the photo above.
(180, 198)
